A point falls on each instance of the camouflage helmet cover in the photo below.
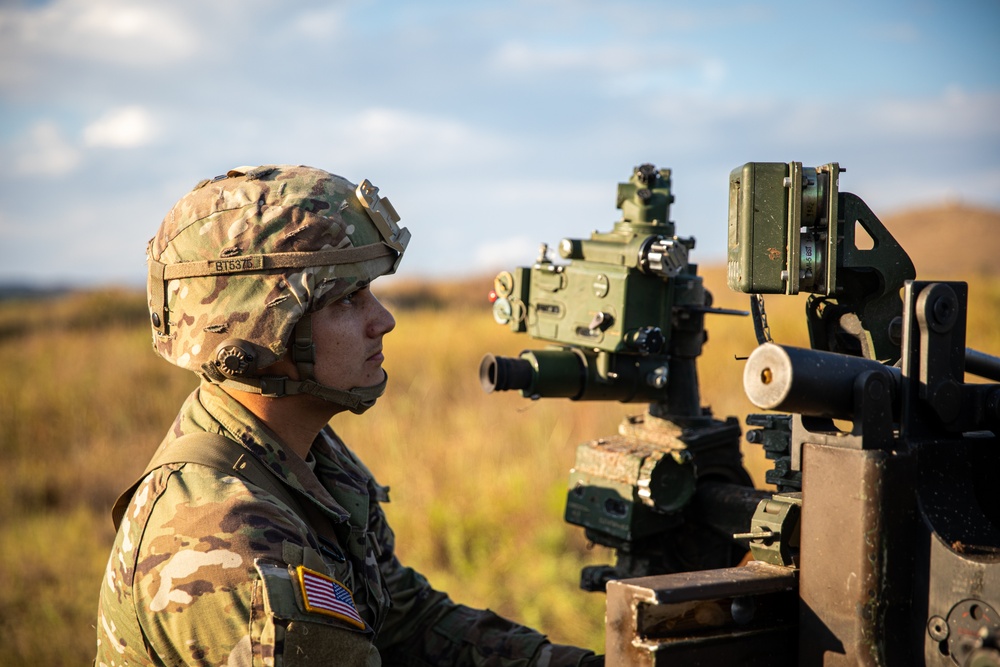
(246, 255)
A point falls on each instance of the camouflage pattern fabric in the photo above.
(208, 569)
(246, 213)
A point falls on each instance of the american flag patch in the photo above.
(324, 595)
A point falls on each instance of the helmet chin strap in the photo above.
(357, 400)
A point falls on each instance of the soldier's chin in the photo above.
(381, 378)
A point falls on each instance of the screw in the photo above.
(937, 628)
(943, 309)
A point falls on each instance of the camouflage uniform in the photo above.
(209, 568)
(205, 568)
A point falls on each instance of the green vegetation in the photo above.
(478, 481)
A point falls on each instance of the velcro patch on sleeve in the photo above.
(324, 595)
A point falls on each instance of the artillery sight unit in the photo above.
(881, 543)
(624, 314)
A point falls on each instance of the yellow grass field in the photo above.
(478, 481)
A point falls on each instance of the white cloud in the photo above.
(119, 31)
(518, 56)
(633, 69)
(319, 24)
(954, 113)
(505, 253)
(125, 127)
(714, 71)
(522, 57)
(44, 151)
(385, 134)
(548, 210)
(483, 123)
(709, 121)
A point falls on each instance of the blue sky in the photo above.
(492, 126)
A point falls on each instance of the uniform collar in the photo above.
(211, 409)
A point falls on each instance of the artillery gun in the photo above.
(881, 545)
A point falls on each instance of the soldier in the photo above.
(255, 536)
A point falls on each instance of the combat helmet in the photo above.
(241, 262)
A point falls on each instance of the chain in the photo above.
(760, 327)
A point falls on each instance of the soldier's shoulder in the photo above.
(197, 504)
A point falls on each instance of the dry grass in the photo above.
(77, 417)
(478, 481)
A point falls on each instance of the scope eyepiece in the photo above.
(504, 373)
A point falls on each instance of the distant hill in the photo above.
(949, 241)
(29, 292)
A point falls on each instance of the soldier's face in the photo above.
(348, 337)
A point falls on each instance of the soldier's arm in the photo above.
(216, 581)
(425, 627)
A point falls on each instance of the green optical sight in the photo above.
(623, 310)
(623, 313)
(791, 230)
